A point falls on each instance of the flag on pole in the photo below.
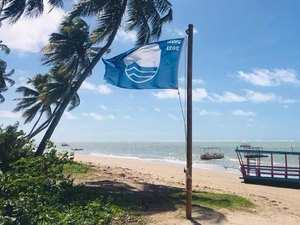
(152, 66)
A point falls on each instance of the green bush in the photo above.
(13, 146)
(35, 190)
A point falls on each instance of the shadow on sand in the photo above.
(148, 199)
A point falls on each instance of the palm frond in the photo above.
(26, 91)
(14, 9)
(147, 18)
(4, 48)
(88, 8)
(2, 99)
(31, 112)
(106, 21)
(75, 101)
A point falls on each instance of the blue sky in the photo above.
(246, 77)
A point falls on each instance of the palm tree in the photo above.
(14, 9)
(146, 17)
(32, 103)
(3, 74)
(47, 92)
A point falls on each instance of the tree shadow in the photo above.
(146, 200)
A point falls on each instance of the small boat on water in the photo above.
(209, 153)
(64, 144)
(77, 149)
(252, 151)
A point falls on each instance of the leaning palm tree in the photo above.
(43, 98)
(31, 102)
(144, 17)
(4, 75)
(14, 9)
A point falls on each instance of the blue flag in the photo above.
(152, 66)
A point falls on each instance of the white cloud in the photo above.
(9, 115)
(199, 94)
(99, 117)
(229, 97)
(166, 94)
(102, 88)
(31, 34)
(258, 97)
(239, 112)
(175, 32)
(125, 36)
(157, 110)
(127, 117)
(288, 101)
(265, 77)
(249, 96)
(103, 107)
(70, 116)
(88, 86)
(173, 117)
(198, 81)
(209, 113)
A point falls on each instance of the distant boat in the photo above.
(211, 153)
(65, 144)
(77, 149)
(252, 151)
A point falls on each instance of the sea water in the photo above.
(175, 152)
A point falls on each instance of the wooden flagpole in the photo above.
(189, 133)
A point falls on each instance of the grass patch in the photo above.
(76, 169)
(217, 201)
(221, 201)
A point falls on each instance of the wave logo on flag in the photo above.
(142, 65)
(152, 66)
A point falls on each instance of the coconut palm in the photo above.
(31, 102)
(4, 76)
(69, 50)
(46, 92)
(14, 9)
(146, 17)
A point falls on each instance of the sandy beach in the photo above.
(273, 205)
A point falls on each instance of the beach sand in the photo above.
(274, 205)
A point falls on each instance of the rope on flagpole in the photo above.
(183, 114)
(183, 111)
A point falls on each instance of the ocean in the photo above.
(175, 152)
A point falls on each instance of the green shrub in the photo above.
(35, 191)
(13, 146)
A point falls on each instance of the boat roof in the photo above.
(209, 148)
(268, 151)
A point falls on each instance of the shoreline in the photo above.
(204, 166)
(274, 205)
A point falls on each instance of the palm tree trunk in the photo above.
(74, 90)
(40, 116)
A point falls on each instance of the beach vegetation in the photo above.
(40, 190)
(13, 146)
(76, 169)
(221, 201)
(213, 200)
(5, 81)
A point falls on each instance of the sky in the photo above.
(246, 77)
